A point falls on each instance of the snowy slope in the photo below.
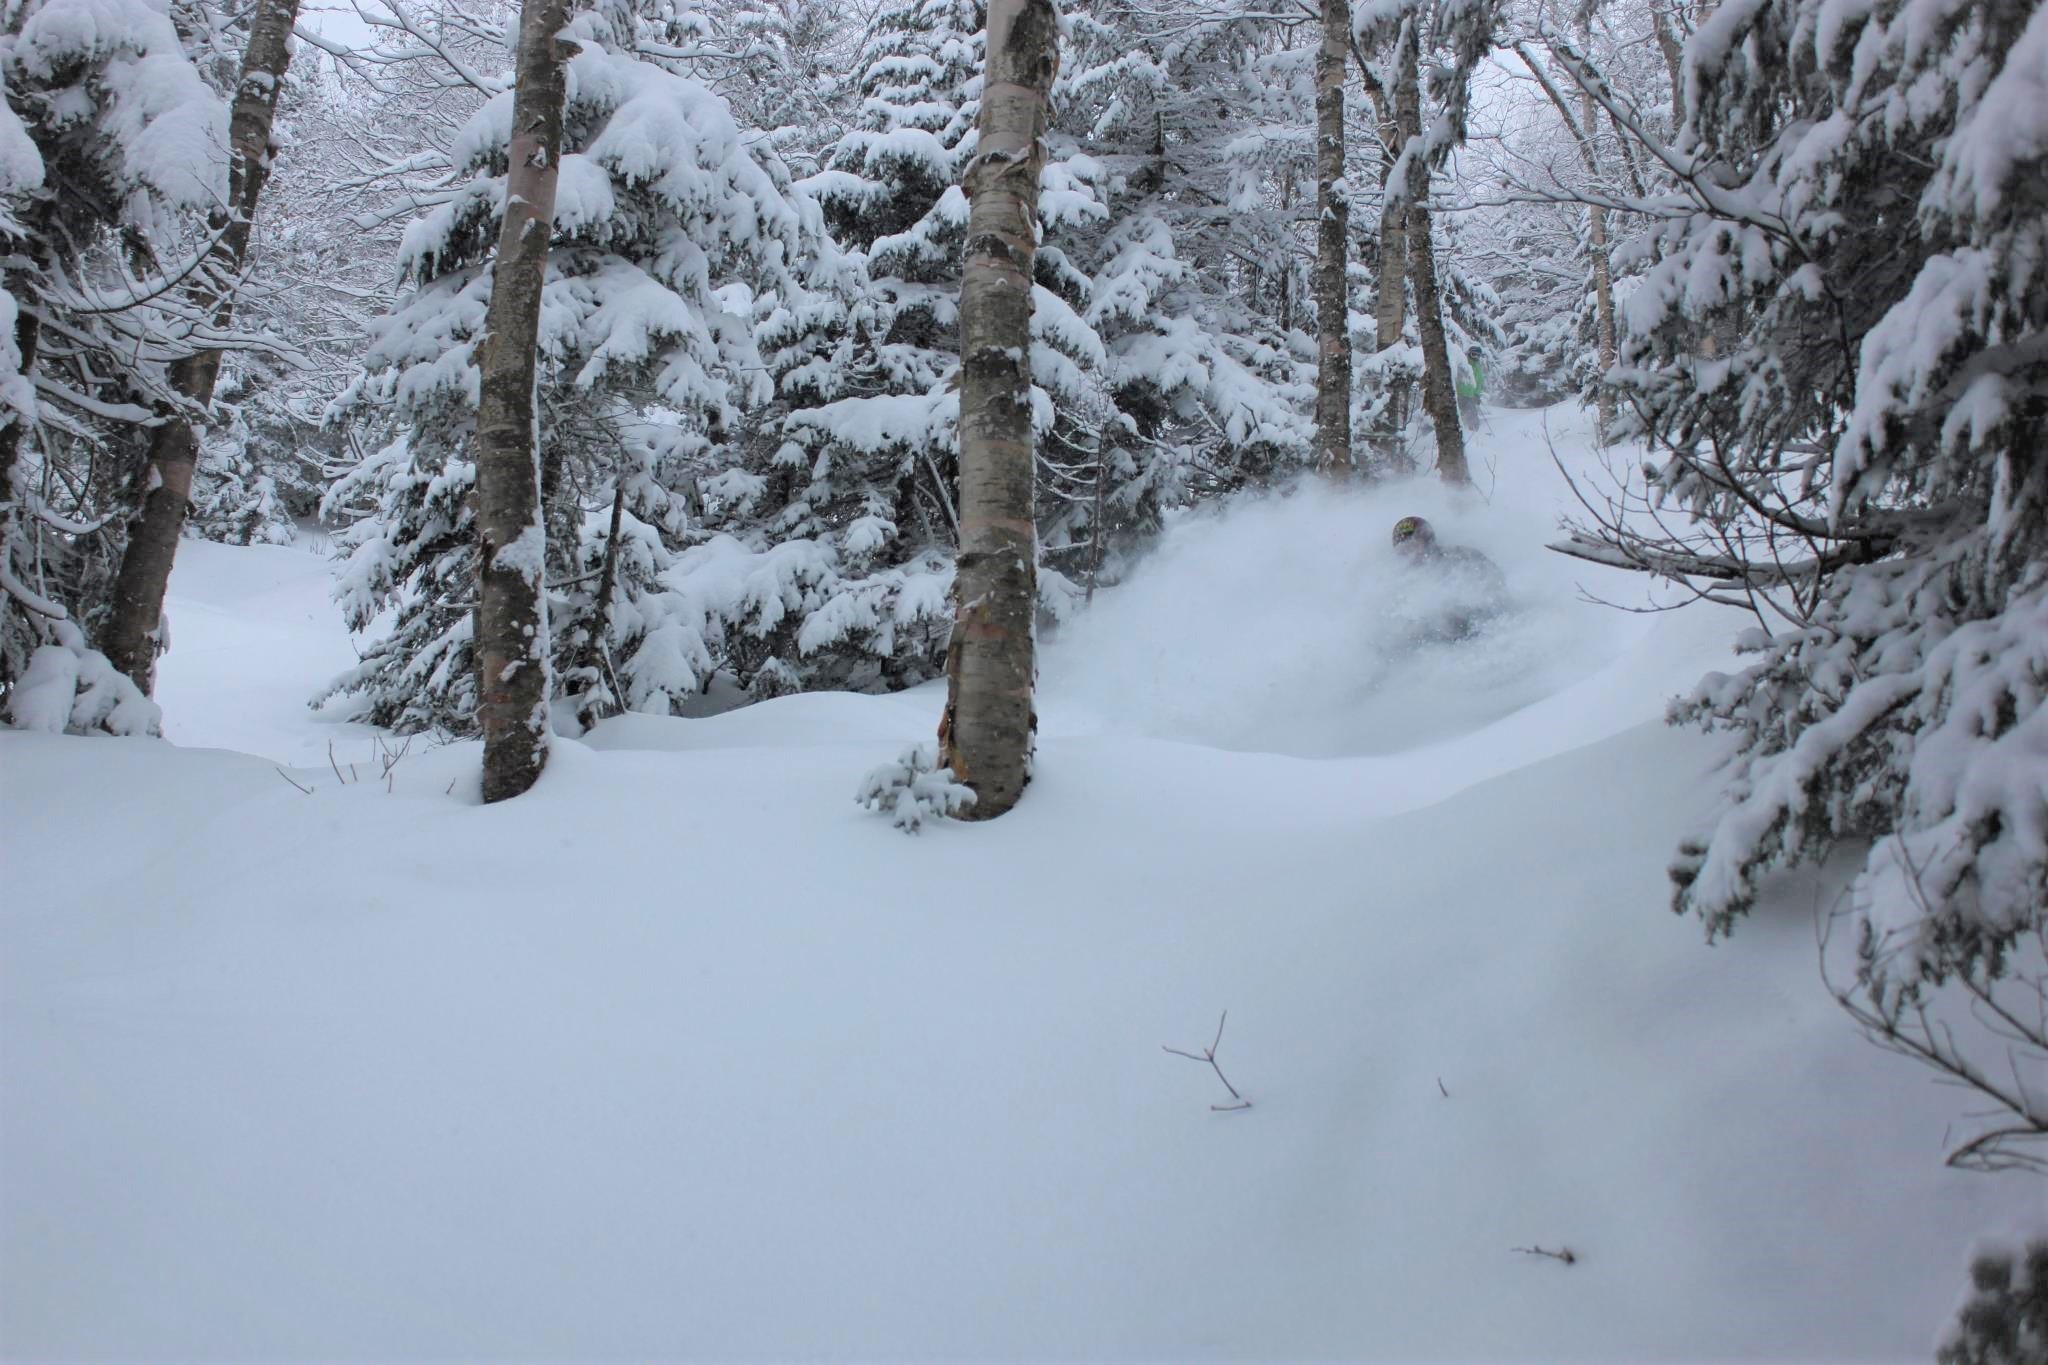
(252, 635)
(684, 1055)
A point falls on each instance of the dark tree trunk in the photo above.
(511, 619)
(1286, 262)
(594, 648)
(1439, 394)
(1603, 280)
(28, 330)
(132, 636)
(985, 735)
(1333, 243)
(1390, 306)
(1674, 62)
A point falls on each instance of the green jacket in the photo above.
(1471, 382)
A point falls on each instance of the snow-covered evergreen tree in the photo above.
(667, 221)
(1198, 145)
(854, 466)
(847, 490)
(1841, 351)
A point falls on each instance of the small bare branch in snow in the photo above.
(1565, 1254)
(1208, 1054)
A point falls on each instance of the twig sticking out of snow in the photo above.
(1564, 1254)
(288, 777)
(387, 759)
(1440, 1087)
(1208, 1054)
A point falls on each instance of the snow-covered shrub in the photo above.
(2004, 1321)
(69, 688)
(914, 789)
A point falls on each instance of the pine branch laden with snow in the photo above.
(1841, 340)
(914, 789)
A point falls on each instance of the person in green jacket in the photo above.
(1471, 385)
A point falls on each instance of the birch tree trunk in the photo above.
(985, 735)
(132, 634)
(511, 618)
(1333, 241)
(1439, 394)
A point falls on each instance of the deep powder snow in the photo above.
(683, 1055)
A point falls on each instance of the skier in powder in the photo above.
(1462, 587)
(1471, 387)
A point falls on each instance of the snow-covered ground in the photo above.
(684, 1055)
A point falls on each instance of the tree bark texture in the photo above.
(593, 660)
(15, 596)
(1333, 243)
(28, 330)
(1674, 62)
(1439, 393)
(1603, 277)
(1390, 305)
(131, 635)
(511, 617)
(985, 735)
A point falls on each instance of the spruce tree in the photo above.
(668, 222)
(1836, 351)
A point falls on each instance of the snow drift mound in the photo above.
(1287, 624)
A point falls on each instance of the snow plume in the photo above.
(1288, 623)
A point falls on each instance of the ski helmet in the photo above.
(1413, 535)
